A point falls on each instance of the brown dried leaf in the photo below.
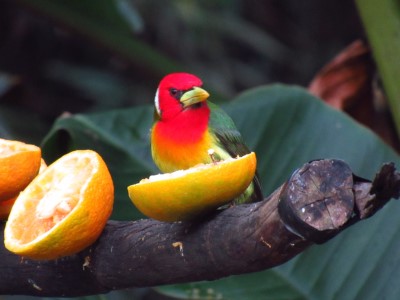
(349, 83)
(345, 78)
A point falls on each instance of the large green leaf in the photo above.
(287, 127)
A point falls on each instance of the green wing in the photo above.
(222, 126)
(229, 139)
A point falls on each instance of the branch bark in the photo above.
(319, 201)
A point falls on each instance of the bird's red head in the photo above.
(178, 92)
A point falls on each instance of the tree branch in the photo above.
(320, 200)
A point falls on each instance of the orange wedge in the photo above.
(19, 164)
(186, 194)
(63, 210)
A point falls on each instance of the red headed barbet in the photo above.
(189, 130)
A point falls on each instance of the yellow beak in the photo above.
(195, 95)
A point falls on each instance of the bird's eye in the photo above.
(175, 93)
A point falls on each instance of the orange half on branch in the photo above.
(186, 194)
(19, 164)
(63, 210)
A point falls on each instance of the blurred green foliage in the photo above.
(382, 24)
(78, 56)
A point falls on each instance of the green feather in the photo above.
(231, 144)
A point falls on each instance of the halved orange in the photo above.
(6, 205)
(63, 210)
(19, 164)
(186, 194)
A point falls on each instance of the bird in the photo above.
(189, 130)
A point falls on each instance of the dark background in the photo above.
(49, 65)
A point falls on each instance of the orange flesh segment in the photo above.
(12, 147)
(9, 148)
(53, 198)
(181, 173)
